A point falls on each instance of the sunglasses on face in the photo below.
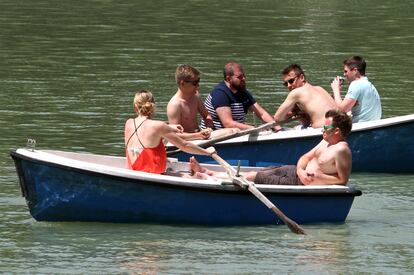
(328, 127)
(290, 81)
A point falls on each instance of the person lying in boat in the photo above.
(144, 147)
(304, 101)
(329, 162)
(362, 98)
(230, 101)
(183, 107)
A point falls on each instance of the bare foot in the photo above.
(201, 176)
(195, 166)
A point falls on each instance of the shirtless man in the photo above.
(329, 162)
(304, 100)
(186, 103)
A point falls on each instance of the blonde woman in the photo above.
(145, 150)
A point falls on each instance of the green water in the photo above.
(69, 70)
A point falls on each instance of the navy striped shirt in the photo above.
(222, 96)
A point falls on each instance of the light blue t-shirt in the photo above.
(368, 105)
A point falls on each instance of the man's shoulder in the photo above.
(313, 89)
(343, 147)
(361, 83)
(299, 93)
(220, 92)
(174, 102)
(221, 87)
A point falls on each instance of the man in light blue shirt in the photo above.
(362, 98)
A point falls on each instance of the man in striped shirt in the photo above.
(230, 101)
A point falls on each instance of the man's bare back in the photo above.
(315, 101)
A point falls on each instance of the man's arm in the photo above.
(344, 105)
(226, 118)
(261, 113)
(303, 161)
(286, 107)
(203, 134)
(202, 110)
(173, 113)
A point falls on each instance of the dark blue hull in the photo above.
(55, 192)
(389, 148)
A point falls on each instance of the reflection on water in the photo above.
(145, 264)
(68, 73)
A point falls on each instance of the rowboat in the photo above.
(72, 186)
(385, 145)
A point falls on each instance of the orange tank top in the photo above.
(150, 160)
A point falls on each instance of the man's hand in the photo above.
(276, 128)
(336, 86)
(297, 114)
(305, 177)
(205, 133)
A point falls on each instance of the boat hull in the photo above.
(55, 192)
(386, 147)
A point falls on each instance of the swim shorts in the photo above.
(278, 175)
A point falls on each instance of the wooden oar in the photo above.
(229, 136)
(242, 182)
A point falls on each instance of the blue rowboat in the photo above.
(385, 145)
(68, 186)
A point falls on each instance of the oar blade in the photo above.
(295, 228)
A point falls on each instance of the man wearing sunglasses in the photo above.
(183, 107)
(362, 98)
(329, 162)
(304, 101)
(230, 101)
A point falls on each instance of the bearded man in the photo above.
(230, 101)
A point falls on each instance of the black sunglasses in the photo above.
(290, 81)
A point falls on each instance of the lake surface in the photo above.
(68, 73)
